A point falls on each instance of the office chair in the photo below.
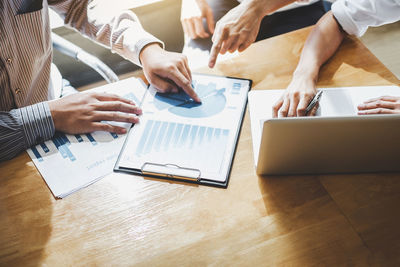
(71, 50)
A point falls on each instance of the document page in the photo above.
(341, 101)
(70, 162)
(175, 130)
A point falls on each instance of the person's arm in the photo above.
(320, 45)
(122, 32)
(192, 14)
(355, 18)
(238, 29)
(24, 127)
(77, 113)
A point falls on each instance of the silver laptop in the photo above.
(330, 145)
(335, 142)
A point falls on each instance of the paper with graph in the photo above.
(176, 131)
(70, 162)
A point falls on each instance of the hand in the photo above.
(380, 105)
(236, 30)
(167, 71)
(296, 98)
(84, 112)
(192, 14)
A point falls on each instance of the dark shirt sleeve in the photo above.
(24, 127)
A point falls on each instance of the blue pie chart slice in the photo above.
(180, 104)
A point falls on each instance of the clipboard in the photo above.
(174, 169)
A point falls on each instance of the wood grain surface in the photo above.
(318, 220)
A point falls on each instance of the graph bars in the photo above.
(62, 143)
(236, 88)
(193, 145)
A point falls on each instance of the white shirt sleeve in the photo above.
(355, 16)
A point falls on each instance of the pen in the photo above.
(314, 101)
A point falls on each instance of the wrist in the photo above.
(148, 51)
(262, 8)
(54, 113)
(308, 73)
(258, 7)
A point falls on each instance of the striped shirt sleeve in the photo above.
(119, 30)
(24, 127)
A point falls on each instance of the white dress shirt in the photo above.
(355, 16)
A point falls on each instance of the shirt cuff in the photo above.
(144, 42)
(37, 123)
(341, 13)
(132, 45)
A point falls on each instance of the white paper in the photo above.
(70, 162)
(341, 101)
(175, 130)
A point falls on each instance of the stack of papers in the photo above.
(68, 163)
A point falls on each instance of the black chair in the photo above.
(67, 48)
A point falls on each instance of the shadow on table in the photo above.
(347, 55)
(25, 213)
(309, 228)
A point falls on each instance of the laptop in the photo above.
(337, 140)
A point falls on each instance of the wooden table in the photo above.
(293, 220)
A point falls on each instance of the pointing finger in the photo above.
(185, 84)
(216, 47)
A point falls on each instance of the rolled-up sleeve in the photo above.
(355, 16)
(101, 21)
(24, 127)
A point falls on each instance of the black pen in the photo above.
(314, 101)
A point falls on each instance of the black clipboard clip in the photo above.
(171, 171)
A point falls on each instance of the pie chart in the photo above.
(180, 104)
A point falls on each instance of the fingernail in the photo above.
(139, 111)
(123, 131)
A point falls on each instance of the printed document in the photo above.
(70, 162)
(176, 131)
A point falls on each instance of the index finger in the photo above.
(385, 98)
(276, 107)
(185, 84)
(112, 97)
(216, 47)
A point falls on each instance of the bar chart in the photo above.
(69, 162)
(213, 101)
(186, 144)
(236, 88)
(62, 142)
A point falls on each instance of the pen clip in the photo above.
(314, 101)
(170, 171)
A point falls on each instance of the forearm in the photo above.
(23, 128)
(320, 45)
(101, 21)
(265, 7)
